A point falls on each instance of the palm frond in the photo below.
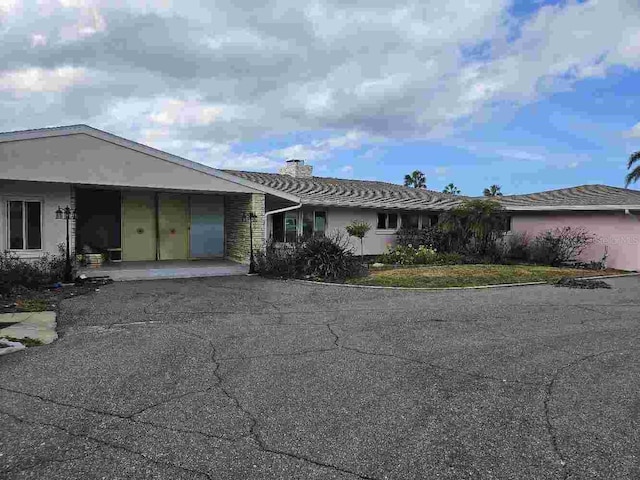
(633, 175)
(633, 158)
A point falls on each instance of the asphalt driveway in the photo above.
(243, 378)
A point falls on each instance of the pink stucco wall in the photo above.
(620, 233)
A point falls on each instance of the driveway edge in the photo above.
(476, 287)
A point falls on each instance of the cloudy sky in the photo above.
(527, 94)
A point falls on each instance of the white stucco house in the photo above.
(131, 202)
(136, 203)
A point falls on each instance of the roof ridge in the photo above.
(573, 188)
(380, 182)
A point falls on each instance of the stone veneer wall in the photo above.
(237, 244)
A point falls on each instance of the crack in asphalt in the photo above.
(551, 430)
(129, 417)
(108, 444)
(257, 438)
(338, 343)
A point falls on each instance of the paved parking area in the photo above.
(244, 378)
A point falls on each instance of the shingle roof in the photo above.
(583, 197)
(352, 193)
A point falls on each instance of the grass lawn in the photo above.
(471, 275)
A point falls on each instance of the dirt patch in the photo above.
(26, 300)
(580, 283)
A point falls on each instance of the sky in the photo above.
(529, 95)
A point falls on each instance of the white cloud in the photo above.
(633, 132)
(9, 7)
(321, 149)
(37, 80)
(347, 170)
(216, 73)
(520, 155)
(185, 113)
(38, 39)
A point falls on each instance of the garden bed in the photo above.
(472, 275)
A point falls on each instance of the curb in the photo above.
(475, 287)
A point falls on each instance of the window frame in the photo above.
(388, 229)
(299, 218)
(24, 201)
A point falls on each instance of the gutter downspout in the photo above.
(272, 212)
(628, 212)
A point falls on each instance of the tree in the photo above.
(359, 229)
(452, 189)
(492, 191)
(633, 175)
(415, 180)
(474, 225)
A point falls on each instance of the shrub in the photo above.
(408, 255)
(277, 260)
(562, 245)
(326, 258)
(517, 246)
(431, 237)
(32, 274)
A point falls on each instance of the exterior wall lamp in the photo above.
(67, 214)
(250, 216)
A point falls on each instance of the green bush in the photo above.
(324, 258)
(422, 255)
(32, 274)
(474, 227)
(431, 237)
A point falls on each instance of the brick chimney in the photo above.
(297, 169)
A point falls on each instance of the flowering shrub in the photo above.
(422, 255)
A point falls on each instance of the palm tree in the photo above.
(492, 191)
(452, 189)
(415, 180)
(633, 175)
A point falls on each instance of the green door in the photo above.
(138, 226)
(173, 222)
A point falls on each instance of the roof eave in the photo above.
(571, 208)
(139, 147)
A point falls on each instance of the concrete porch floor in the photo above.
(125, 271)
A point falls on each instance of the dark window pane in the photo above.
(278, 227)
(409, 220)
(16, 241)
(291, 226)
(433, 220)
(307, 224)
(34, 240)
(393, 220)
(320, 222)
(382, 221)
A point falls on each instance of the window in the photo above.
(387, 221)
(291, 226)
(410, 220)
(278, 227)
(24, 225)
(429, 221)
(506, 225)
(319, 223)
(313, 223)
